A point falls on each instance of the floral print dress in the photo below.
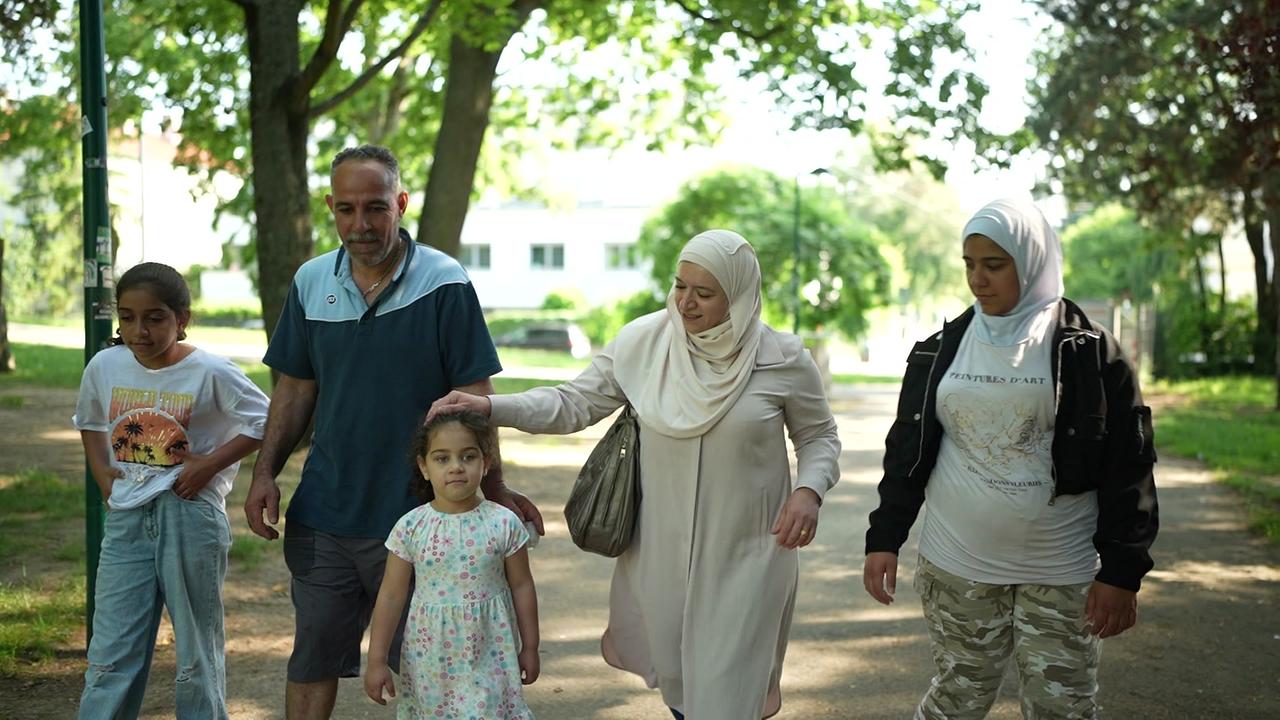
(460, 642)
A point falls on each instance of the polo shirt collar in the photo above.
(342, 265)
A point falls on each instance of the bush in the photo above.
(501, 322)
(602, 323)
(1184, 351)
(564, 299)
(227, 315)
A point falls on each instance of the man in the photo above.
(370, 335)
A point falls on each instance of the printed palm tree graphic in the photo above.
(176, 446)
(133, 428)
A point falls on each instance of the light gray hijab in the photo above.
(1021, 230)
(690, 381)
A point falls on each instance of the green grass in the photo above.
(247, 551)
(29, 502)
(525, 357)
(36, 492)
(44, 366)
(856, 379)
(504, 386)
(1231, 425)
(35, 621)
(12, 402)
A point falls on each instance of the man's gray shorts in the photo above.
(335, 584)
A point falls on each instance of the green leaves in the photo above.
(839, 267)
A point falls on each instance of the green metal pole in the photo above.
(98, 280)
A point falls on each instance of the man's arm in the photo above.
(292, 403)
(492, 484)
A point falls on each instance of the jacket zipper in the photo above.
(1057, 397)
(928, 380)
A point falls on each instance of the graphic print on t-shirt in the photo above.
(148, 426)
(1001, 440)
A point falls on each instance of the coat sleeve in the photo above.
(812, 429)
(565, 408)
(1128, 513)
(907, 464)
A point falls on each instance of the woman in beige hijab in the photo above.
(701, 602)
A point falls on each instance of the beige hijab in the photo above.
(688, 382)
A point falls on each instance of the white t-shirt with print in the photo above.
(198, 404)
(988, 516)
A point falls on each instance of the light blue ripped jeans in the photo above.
(168, 553)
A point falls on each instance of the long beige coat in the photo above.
(701, 603)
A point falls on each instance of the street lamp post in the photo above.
(795, 247)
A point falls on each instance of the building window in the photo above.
(620, 256)
(475, 257)
(546, 257)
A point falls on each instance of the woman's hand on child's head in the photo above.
(530, 664)
(457, 401)
(377, 678)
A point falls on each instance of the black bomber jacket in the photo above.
(1102, 441)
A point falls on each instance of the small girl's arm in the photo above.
(97, 451)
(198, 469)
(525, 597)
(397, 580)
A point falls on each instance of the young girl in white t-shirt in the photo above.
(471, 637)
(164, 427)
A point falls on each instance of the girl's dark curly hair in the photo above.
(473, 421)
(165, 282)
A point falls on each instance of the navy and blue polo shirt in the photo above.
(377, 368)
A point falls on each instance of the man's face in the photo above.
(366, 209)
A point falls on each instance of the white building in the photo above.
(517, 254)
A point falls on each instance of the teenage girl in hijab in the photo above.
(701, 602)
(1021, 428)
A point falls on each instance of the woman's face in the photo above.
(992, 275)
(701, 301)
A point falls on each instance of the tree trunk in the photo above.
(468, 96)
(1264, 337)
(6, 354)
(1207, 346)
(279, 126)
(1273, 221)
(1222, 282)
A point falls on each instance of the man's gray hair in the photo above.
(377, 153)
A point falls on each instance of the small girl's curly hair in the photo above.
(421, 445)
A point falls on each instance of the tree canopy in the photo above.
(840, 270)
(1172, 108)
(266, 90)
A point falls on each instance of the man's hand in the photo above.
(517, 503)
(264, 495)
(197, 471)
(797, 524)
(1110, 610)
(880, 576)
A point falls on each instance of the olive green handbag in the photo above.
(605, 500)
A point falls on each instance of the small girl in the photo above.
(468, 563)
(164, 427)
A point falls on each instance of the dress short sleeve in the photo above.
(402, 539)
(514, 533)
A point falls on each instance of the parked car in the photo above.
(562, 337)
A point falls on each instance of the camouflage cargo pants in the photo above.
(975, 627)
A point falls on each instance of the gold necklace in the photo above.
(385, 273)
